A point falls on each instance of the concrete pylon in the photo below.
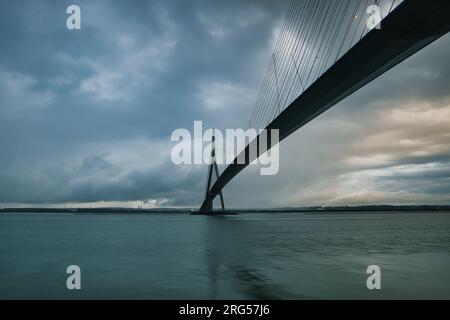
(208, 204)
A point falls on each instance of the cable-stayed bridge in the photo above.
(327, 50)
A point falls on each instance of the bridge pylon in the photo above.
(207, 207)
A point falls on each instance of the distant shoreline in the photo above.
(306, 210)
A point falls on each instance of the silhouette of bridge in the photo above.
(325, 52)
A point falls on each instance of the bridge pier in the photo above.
(207, 207)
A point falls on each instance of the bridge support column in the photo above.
(208, 203)
(207, 207)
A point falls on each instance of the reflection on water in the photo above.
(230, 255)
(257, 256)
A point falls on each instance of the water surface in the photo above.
(250, 256)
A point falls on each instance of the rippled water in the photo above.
(254, 256)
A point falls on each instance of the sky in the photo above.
(86, 115)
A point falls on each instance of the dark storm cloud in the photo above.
(77, 105)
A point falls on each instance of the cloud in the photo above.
(410, 132)
(137, 170)
(221, 96)
(224, 23)
(135, 60)
(19, 91)
(135, 67)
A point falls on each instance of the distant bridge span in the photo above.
(410, 27)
